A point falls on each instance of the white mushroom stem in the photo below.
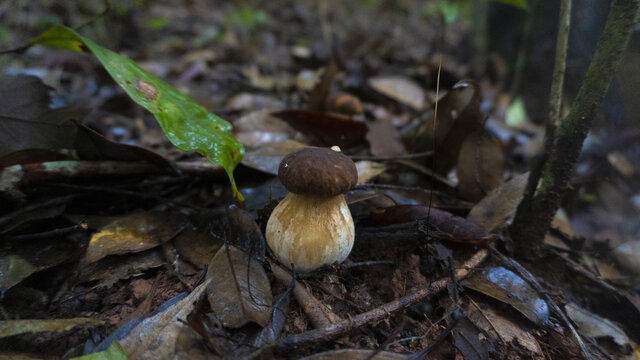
(310, 231)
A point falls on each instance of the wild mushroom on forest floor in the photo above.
(312, 225)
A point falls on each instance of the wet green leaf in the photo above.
(188, 125)
(114, 352)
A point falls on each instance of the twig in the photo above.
(48, 234)
(530, 279)
(318, 313)
(311, 337)
(392, 158)
(455, 318)
(584, 272)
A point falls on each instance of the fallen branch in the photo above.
(311, 337)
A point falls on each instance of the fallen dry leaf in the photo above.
(135, 232)
(480, 165)
(401, 89)
(239, 290)
(499, 207)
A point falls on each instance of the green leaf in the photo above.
(516, 115)
(188, 125)
(114, 352)
(522, 4)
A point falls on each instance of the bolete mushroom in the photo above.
(312, 225)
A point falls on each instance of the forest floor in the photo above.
(108, 231)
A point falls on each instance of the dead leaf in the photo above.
(627, 255)
(356, 354)
(457, 228)
(197, 246)
(506, 286)
(595, 326)
(498, 208)
(13, 269)
(15, 327)
(111, 269)
(401, 89)
(135, 232)
(155, 337)
(320, 92)
(480, 165)
(328, 129)
(239, 289)
(470, 341)
(458, 115)
(244, 233)
(268, 156)
(260, 127)
(249, 101)
(384, 139)
(499, 327)
(368, 170)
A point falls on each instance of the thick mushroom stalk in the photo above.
(312, 226)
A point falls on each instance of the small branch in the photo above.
(317, 312)
(393, 158)
(311, 337)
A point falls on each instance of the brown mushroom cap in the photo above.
(317, 171)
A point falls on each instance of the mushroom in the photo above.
(312, 225)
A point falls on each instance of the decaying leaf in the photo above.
(497, 209)
(480, 165)
(470, 340)
(111, 269)
(356, 354)
(326, 129)
(267, 157)
(400, 89)
(506, 286)
(368, 170)
(134, 232)
(384, 139)
(15, 327)
(244, 233)
(260, 127)
(156, 336)
(197, 246)
(458, 116)
(595, 326)
(13, 269)
(457, 228)
(239, 290)
(499, 327)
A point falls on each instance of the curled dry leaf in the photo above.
(458, 116)
(480, 165)
(499, 207)
(456, 228)
(134, 232)
(399, 89)
(506, 286)
(239, 291)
